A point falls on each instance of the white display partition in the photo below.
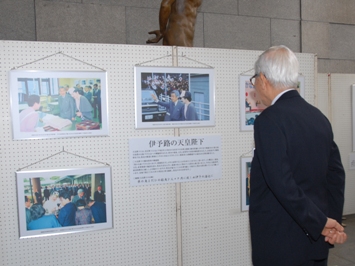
(214, 230)
(353, 114)
(322, 99)
(144, 230)
(341, 103)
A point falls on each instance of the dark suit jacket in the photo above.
(190, 113)
(297, 181)
(66, 107)
(97, 96)
(176, 111)
(98, 210)
(99, 196)
(66, 215)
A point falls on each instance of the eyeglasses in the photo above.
(252, 79)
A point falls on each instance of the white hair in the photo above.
(71, 90)
(280, 66)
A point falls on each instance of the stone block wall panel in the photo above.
(286, 32)
(73, 22)
(244, 32)
(17, 20)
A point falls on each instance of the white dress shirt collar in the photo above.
(279, 95)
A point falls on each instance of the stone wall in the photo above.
(324, 27)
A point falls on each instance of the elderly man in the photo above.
(66, 104)
(99, 195)
(177, 22)
(175, 107)
(297, 178)
(81, 195)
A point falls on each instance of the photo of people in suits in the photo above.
(48, 104)
(74, 199)
(165, 98)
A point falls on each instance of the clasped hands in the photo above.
(334, 232)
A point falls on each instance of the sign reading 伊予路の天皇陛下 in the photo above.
(58, 104)
(174, 159)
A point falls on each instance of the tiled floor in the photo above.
(344, 255)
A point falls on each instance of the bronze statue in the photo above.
(177, 22)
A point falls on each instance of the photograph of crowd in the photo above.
(63, 200)
(175, 96)
(58, 104)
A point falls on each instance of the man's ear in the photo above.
(263, 81)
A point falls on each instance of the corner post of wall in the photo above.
(330, 109)
(174, 56)
(316, 96)
(177, 185)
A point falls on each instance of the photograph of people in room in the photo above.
(49, 106)
(72, 200)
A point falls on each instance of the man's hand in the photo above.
(154, 97)
(158, 36)
(334, 232)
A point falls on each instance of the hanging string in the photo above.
(43, 58)
(53, 155)
(153, 60)
(251, 152)
(246, 71)
(60, 52)
(184, 56)
(82, 61)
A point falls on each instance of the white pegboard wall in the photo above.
(215, 231)
(144, 218)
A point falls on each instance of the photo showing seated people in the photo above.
(68, 204)
(59, 104)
